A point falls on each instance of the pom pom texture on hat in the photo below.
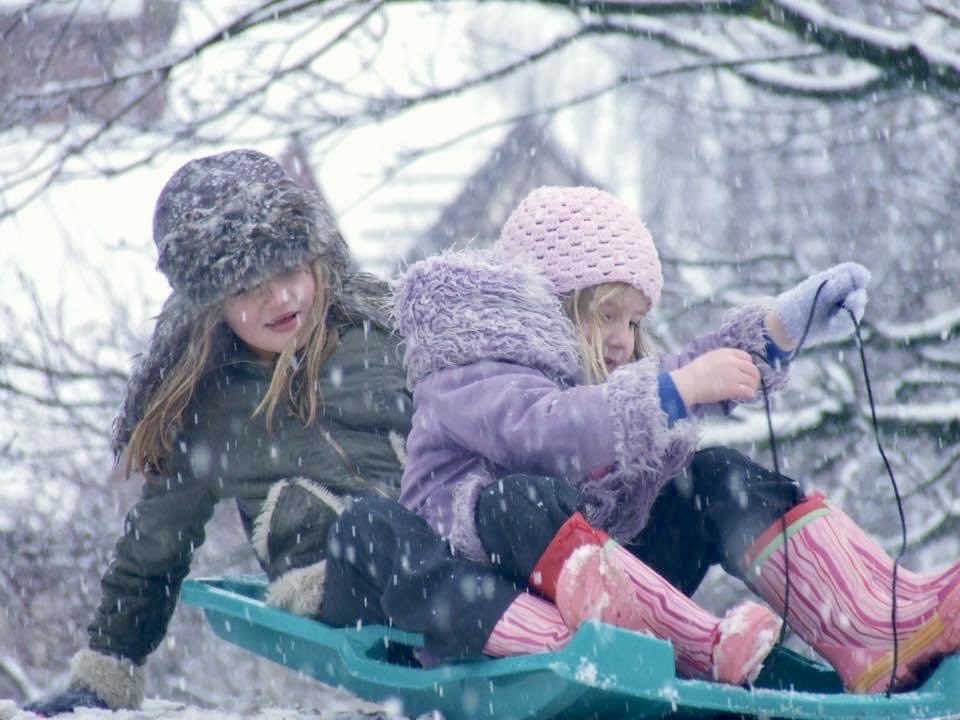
(582, 236)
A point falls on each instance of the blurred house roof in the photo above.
(73, 47)
(527, 158)
(456, 195)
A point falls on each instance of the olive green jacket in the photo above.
(287, 484)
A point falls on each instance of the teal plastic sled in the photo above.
(604, 672)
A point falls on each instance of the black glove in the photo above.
(65, 701)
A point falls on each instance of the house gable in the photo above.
(526, 159)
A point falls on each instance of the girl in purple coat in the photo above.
(551, 442)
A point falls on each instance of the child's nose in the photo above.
(275, 292)
(622, 337)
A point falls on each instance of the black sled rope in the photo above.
(886, 463)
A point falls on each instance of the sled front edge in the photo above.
(604, 672)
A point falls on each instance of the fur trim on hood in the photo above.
(464, 307)
(460, 307)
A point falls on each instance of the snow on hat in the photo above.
(225, 223)
(583, 236)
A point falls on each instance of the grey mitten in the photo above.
(98, 681)
(844, 288)
(65, 701)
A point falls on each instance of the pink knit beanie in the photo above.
(583, 236)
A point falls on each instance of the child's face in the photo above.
(269, 316)
(618, 318)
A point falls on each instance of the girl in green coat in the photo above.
(269, 379)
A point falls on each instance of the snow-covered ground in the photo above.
(339, 706)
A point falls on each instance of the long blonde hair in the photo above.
(583, 308)
(295, 375)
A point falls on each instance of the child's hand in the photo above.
(716, 376)
(844, 288)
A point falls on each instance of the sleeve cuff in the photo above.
(670, 399)
(776, 355)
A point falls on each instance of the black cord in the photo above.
(776, 461)
(886, 462)
(783, 517)
(896, 494)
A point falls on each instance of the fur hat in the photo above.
(583, 236)
(227, 222)
(224, 224)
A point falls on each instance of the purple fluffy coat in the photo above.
(494, 366)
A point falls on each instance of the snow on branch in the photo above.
(765, 68)
(892, 57)
(11, 668)
(750, 426)
(900, 56)
(940, 7)
(937, 328)
(927, 414)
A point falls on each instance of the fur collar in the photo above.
(461, 307)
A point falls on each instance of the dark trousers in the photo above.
(386, 566)
(710, 514)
